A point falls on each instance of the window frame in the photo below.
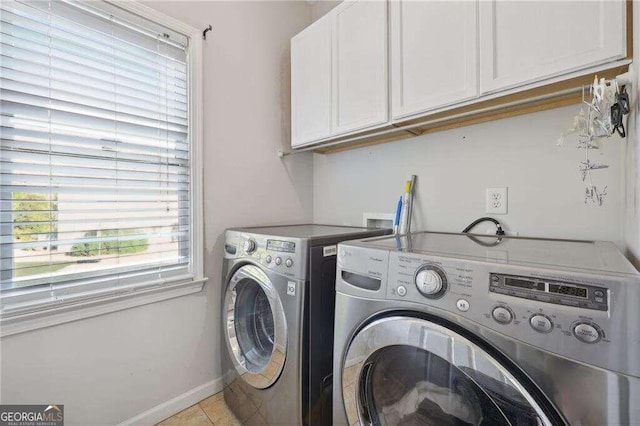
(101, 300)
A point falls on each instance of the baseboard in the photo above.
(175, 405)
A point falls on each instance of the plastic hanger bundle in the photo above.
(599, 118)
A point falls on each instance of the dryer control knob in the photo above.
(249, 246)
(502, 315)
(587, 332)
(431, 282)
(541, 323)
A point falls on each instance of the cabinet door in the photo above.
(311, 84)
(526, 41)
(433, 54)
(359, 65)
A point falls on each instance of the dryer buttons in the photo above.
(401, 290)
(502, 315)
(587, 332)
(541, 323)
(462, 305)
(288, 262)
(278, 261)
(268, 259)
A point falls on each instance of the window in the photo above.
(98, 153)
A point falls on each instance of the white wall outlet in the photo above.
(497, 200)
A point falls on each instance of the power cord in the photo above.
(499, 231)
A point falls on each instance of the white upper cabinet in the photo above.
(372, 64)
(360, 80)
(527, 41)
(311, 84)
(434, 58)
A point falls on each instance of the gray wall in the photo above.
(546, 195)
(112, 367)
(321, 7)
(455, 167)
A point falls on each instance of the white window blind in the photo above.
(94, 154)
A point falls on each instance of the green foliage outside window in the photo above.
(34, 215)
(111, 246)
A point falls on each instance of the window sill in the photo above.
(95, 306)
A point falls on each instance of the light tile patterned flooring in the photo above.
(211, 411)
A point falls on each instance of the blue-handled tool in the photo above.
(396, 222)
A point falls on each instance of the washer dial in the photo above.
(431, 281)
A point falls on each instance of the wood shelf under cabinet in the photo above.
(552, 96)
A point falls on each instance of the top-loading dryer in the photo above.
(435, 328)
(277, 321)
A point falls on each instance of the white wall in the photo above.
(632, 193)
(546, 195)
(109, 368)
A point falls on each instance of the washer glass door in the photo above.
(255, 327)
(409, 371)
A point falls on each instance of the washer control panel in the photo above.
(588, 315)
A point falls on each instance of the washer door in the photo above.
(403, 370)
(256, 329)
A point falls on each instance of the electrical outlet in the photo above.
(497, 200)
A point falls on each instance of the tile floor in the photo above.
(211, 411)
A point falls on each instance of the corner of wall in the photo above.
(632, 160)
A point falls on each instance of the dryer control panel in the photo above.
(283, 255)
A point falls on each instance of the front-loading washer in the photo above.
(436, 328)
(277, 321)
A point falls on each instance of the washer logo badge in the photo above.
(291, 288)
